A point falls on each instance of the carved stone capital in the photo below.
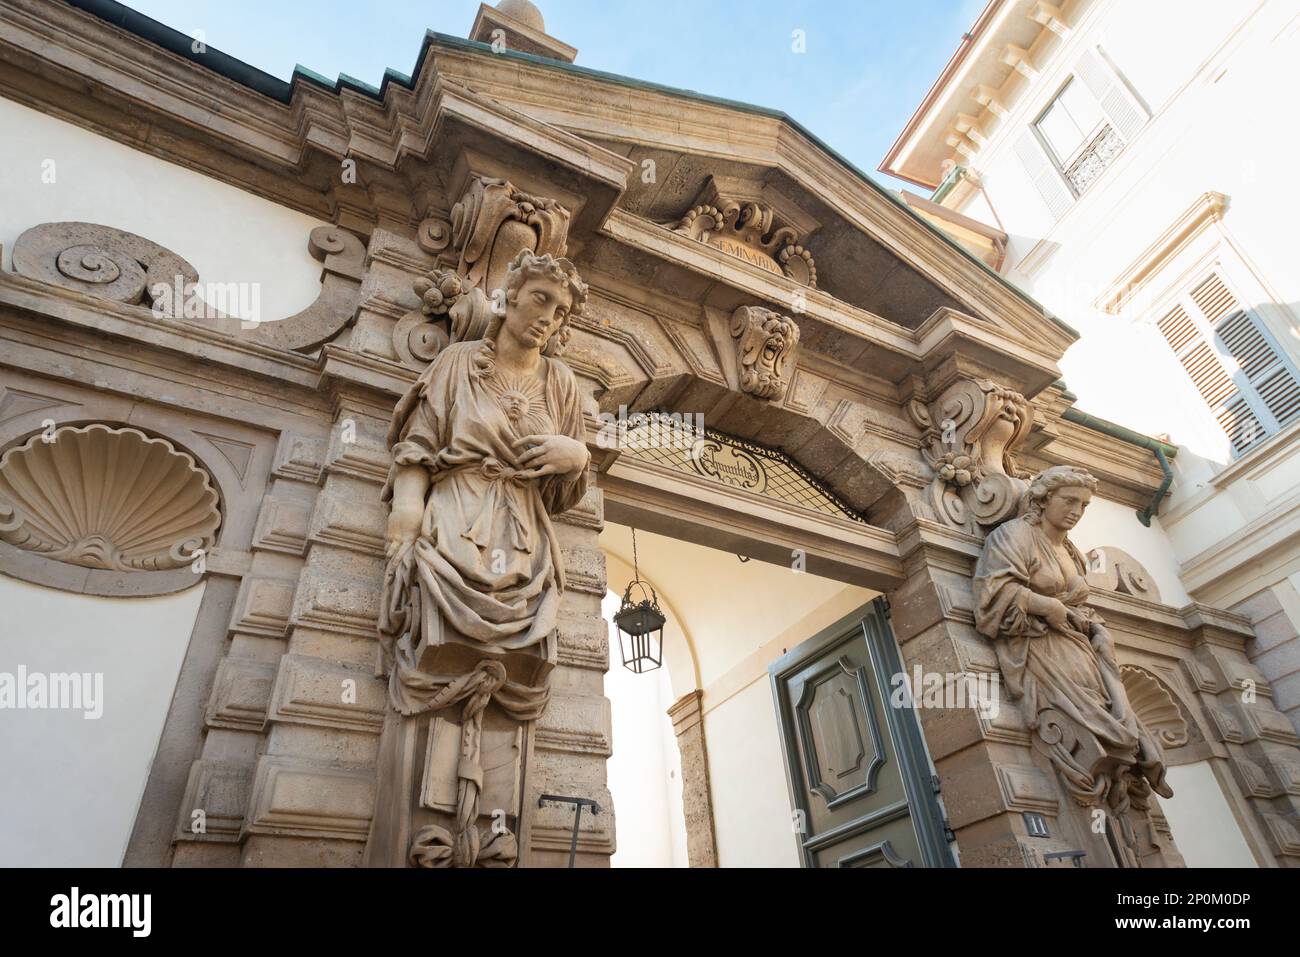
(494, 220)
(490, 225)
(969, 436)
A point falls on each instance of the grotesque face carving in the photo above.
(766, 341)
(536, 311)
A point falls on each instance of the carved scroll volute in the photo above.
(766, 343)
(490, 224)
(494, 220)
(971, 444)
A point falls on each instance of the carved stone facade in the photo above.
(914, 408)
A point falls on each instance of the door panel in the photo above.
(851, 760)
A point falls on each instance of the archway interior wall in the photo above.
(739, 617)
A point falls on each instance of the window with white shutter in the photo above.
(1080, 132)
(1244, 376)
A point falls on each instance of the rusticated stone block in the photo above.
(216, 798)
(315, 692)
(240, 694)
(575, 723)
(583, 642)
(298, 798)
(584, 569)
(263, 607)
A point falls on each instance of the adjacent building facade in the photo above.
(812, 400)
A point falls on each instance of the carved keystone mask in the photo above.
(766, 342)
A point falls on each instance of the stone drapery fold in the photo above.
(1068, 677)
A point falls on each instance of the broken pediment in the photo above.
(754, 222)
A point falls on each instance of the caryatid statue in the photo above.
(487, 445)
(1031, 600)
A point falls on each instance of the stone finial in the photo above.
(525, 12)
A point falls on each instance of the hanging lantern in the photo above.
(640, 623)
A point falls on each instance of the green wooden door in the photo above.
(860, 784)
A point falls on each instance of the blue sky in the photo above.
(866, 66)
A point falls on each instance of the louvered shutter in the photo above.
(1043, 174)
(1252, 348)
(1244, 377)
(1125, 113)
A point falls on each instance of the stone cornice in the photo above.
(1127, 473)
(897, 351)
(1184, 627)
(290, 152)
(138, 324)
(1232, 568)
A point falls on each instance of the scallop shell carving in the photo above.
(107, 498)
(1154, 706)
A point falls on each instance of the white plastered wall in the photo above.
(228, 235)
(1107, 523)
(733, 619)
(1213, 77)
(71, 784)
(1209, 73)
(1204, 829)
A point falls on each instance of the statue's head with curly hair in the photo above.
(1059, 495)
(542, 295)
(534, 307)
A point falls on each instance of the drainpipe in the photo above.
(1162, 450)
(943, 189)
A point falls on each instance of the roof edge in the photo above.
(262, 82)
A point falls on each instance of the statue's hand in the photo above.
(551, 455)
(403, 527)
(1057, 614)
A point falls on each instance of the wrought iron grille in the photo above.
(738, 463)
(1094, 159)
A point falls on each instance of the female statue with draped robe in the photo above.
(487, 445)
(1031, 600)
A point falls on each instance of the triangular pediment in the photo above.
(870, 251)
(585, 137)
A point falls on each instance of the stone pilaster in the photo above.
(989, 772)
(213, 812)
(313, 788)
(1260, 740)
(697, 800)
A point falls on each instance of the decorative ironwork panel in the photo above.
(1096, 156)
(675, 441)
